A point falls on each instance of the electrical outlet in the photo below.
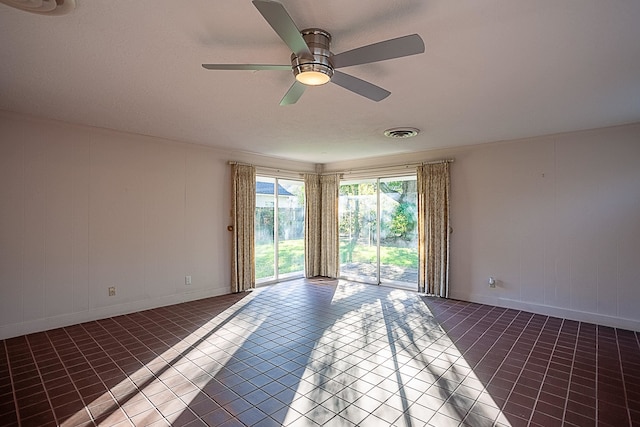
(187, 280)
(112, 291)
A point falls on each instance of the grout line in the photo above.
(597, 362)
(624, 382)
(500, 315)
(544, 377)
(120, 402)
(524, 362)
(573, 361)
(92, 367)
(13, 388)
(33, 357)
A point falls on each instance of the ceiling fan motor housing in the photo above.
(319, 42)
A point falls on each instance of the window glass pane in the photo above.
(358, 230)
(290, 228)
(265, 228)
(398, 231)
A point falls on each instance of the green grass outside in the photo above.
(401, 257)
(291, 257)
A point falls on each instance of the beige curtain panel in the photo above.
(312, 225)
(321, 225)
(243, 211)
(433, 228)
(329, 241)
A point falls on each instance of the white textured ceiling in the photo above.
(492, 70)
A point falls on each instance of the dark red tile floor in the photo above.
(321, 352)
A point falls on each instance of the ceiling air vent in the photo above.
(43, 7)
(401, 133)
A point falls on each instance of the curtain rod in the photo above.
(382, 168)
(439, 161)
(264, 168)
(403, 165)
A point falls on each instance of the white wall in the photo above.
(556, 220)
(84, 209)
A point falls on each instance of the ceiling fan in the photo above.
(312, 62)
(43, 7)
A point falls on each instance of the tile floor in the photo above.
(323, 352)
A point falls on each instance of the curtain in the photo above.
(329, 242)
(243, 211)
(321, 225)
(312, 225)
(433, 228)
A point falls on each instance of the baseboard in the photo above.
(39, 325)
(548, 310)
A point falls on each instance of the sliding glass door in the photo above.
(399, 231)
(358, 228)
(279, 229)
(378, 231)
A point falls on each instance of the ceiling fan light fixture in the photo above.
(313, 77)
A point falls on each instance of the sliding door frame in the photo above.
(277, 275)
(379, 280)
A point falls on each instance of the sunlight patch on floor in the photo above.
(388, 361)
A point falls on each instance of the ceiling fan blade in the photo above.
(293, 94)
(277, 16)
(246, 67)
(359, 86)
(381, 51)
